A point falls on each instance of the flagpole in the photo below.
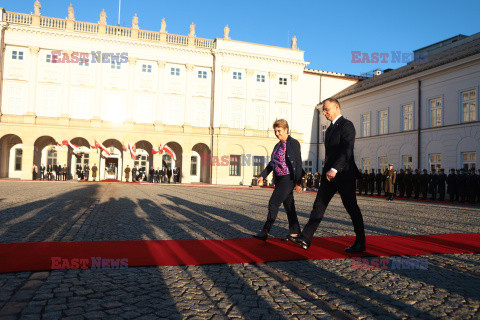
(119, 4)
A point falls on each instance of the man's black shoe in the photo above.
(262, 235)
(288, 237)
(301, 242)
(357, 247)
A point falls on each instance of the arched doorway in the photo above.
(11, 162)
(200, 160)
(79, 157)
(178, 152)
(45, 153)
(111, 166)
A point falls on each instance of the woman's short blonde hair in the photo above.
(281, 123)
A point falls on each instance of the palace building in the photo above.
(68, 87)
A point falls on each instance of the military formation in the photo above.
(61, 173)
(462, 185)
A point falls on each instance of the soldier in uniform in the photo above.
(401, 183)
(424, 180)
(416, 180)
(127, 173)
(461, 185)
(378, 182)
(432, 185)
(371, 182)
(365, 182)
(408, 183)
(316, 181)
(94, 171)
(478, 186)
(359, 181)
(309, 180)
(452, 185)
(390, 178)
(471, 186)
(441, 179)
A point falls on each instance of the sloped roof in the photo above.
(462, 51)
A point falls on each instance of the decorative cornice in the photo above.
(225, 69)
(189, 67)
(34, 50)
(301, 63)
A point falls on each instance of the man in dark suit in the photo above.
(86, 170)
(339, 174)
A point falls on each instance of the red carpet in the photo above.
(37, 256)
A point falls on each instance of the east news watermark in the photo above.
(388, 57)
(84, 263)
(393, 263)
(92, 57)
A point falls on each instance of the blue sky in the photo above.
(328, 31)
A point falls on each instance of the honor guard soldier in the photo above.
(371, 182)
(424, 180)
(378, 182)
(359, 181)
(441, 179)
(461, 185)
(127, 173)
(94, 171)
(365, 182)
(390, 178)
(432, 185)
(401, 183)
(86, 171)
(416, 181)
(408, 183)
(452, 185)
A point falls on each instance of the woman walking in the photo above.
(286, 165)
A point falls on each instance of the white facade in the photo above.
(444, 133)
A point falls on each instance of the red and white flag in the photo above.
(68, 143)
(102, 147)
(170, 152)
(132, 152)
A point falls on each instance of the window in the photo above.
(308, 165)
(382, 163)
(202, 74)
(236, 116)
(175, 71)
(237, 75)
(234, 165)
(15, 102)
(52, 156)
(201, 114)
(48, 106)
(324, 131)
(167, 159)
(407, 162)
(144, 108)
(366, 164)
(258, 165)
(48, 58)
(407, 111)
(435, 160)
(141, 162)
(435, 112)
(260, 78)
(193, 166)
(259, 117)
(383, 122)
(366, 125)
(18, 159)
(469, 160)
(115, 65)
(17, 55)
(147, 68)
(469, 107)
(282, 81)
(84, 62)
(81, 103)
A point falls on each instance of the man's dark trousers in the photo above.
(325, 193)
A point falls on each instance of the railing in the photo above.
(93, 28)
(203, 43)
(14, 17)
(177, 39)
(200, 130)
(86, 27)
(118, 31)
(236, 132)
(149, 35)
(53, 23)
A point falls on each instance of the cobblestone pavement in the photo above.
(322, 289)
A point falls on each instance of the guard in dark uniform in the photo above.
(378, 182)
(151, 174)
(416, 180)
(424, 180)
(365, 182)
(371, 182)
(408, 184)
(432, 185)
(462, 185)
(359, 181)
(471, 186)
(441, 179)
(86, 171)
(452, 185)
(401, 183)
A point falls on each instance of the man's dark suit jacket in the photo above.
(293, 158)
(339, 143)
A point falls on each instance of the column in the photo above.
(225, 93)
(132, 63)
(294, 101)
(186, 164)
(30, 113)
(160, 102)
(97, 101)
(188, 96)
(249, 107)
(27, 161)
(66, 89)
(271, 98)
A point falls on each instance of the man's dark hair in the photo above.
(331, 100)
